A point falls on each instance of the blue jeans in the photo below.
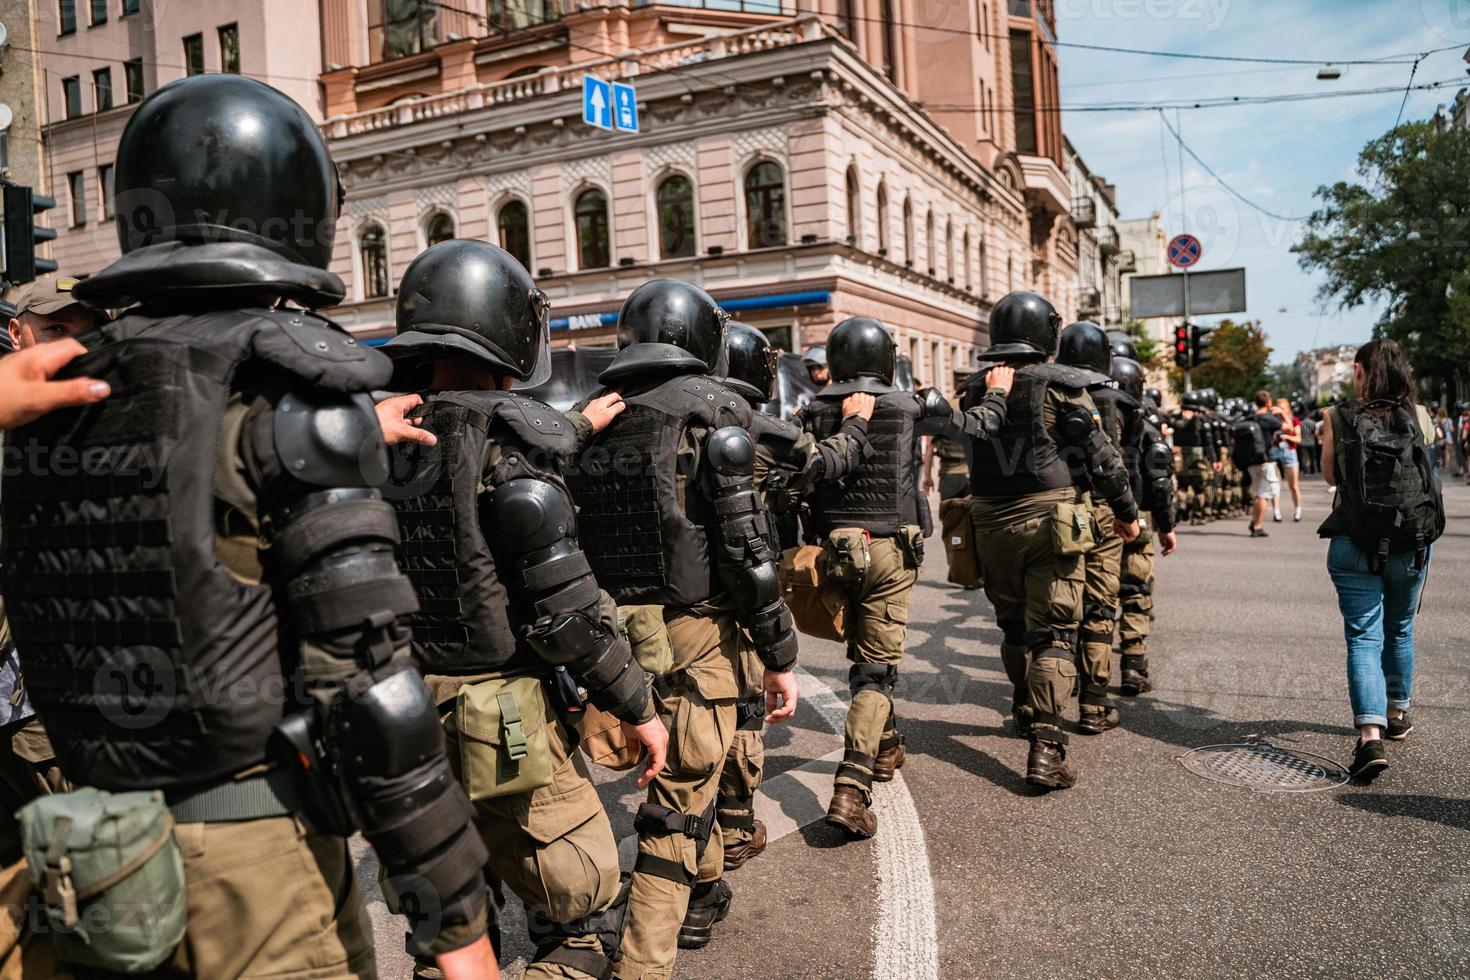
(1378, 622)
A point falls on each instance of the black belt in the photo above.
(270, 794)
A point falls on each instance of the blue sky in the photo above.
(1275, 154)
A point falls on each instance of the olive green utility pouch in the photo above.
(648, 635)
(504, 747)
(847, 556)
(911, 544)
(111, 876)
(1072, 529)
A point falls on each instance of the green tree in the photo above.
(1286, 381)
(1400, 235)
(1237, 364)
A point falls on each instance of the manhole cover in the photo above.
(1262, 766)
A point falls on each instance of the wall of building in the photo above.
(20, 90)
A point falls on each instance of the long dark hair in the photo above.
(1386, 375)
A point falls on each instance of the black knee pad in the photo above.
(872, 677)
(1051, 643)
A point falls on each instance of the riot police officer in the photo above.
(1033, 523)
(1151, 471)
(511, 618)
(873, 525)
(1195, 439)
(1084, 345)
(231, 499)
(788, 463)
(672, 525)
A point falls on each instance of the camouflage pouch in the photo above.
(648, 635)
(110, 875)
(1072, 529)
(503, 741)
(847, 555)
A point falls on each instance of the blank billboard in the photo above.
(1217, 291)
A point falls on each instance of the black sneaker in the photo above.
(1259, 532)
(1398, 729)
(1369, 760)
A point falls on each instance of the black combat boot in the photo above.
(889, 759)
(850, 811)
(1047, 766)
(1135, 675)
(708, 903)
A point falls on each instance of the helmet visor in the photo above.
(540, 322)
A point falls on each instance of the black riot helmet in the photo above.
(1084, 345)
(1193, 400)
(668, 325)
(862, 356)
(469, 298)
(750, 363)
(1154, 395)
(1122, 345)
(1023, 329)
(1128, 374)
(224, 158)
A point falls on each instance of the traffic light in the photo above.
(22, 235)
(1181, 346)
(1199, 345)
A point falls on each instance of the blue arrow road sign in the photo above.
(596, 102)
(625, 107)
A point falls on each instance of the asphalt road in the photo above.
(1144, 869)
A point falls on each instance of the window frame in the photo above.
(428, 225)
(97, 75)
(692, 224)
(197, 37)
(98, 7)
(71, 85)
(361, 242)
(500, 226)
(854, 189)
(62, 6)
(128, 93)
(106, 184)
(130, 7)
(882, 201)
(908, 230)
(605, 227)
(768, 192)
(220, 32)
(76, 191)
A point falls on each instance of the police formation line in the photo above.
(472, 613)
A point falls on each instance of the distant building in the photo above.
(21, 92)
(1145, 245)
(1327, 372)
(1099, 252)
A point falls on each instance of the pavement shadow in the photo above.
(941, 740)
(1189, 726)
(1436, 809)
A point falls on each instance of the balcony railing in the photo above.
(1084, 212)
(1107, 240)
(1127, 261)
(780, 34)
(1089, 303)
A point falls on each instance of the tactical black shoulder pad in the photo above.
(770, 428)
(534, 424)
(318, 350)
(1063, 375)
(329, 439)
(731, 451)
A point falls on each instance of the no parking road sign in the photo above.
(1184, 251)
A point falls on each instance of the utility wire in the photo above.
(1221, 180)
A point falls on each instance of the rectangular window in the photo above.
(133, 79)
(229, 48)
(71, 94)
(194, 54)
(102, 88)
(4, 151)
(130, 7)
(104, 184)
(67, 16)
(99, 12)
(1024, 92)
(76, 183)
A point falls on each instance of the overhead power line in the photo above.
(1217, 178)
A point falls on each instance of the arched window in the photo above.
(675, 199)
(372, 248)
(1010, 274)
(514, 225)
(929, 239)
(908, 232)
(890, 41)
(882, 219)
(854, 205)
(593, 250)
(965, 251)
(949, 250)
(765, 205)
(439, 228)
(984, 269)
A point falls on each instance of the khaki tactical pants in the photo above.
(1136, 592)
(1099, 614)
(746, 761)
(696, 701)
(1037, 595)
(877, 626)
(265, 899)
(554, 848)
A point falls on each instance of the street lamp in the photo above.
(1329, 73)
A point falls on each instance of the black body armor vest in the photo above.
(468, 621)
(151, 664)
(1190, 433)
(1024, 458)
(645, 522)
(882, 494)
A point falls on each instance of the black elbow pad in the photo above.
(336, 441)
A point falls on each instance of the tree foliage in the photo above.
(1237, 364)
(1400, 234)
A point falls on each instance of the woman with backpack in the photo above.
(1387, 512)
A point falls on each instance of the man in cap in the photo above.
(45, 310)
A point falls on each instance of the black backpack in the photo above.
(1247, 443)
(1393, 501)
